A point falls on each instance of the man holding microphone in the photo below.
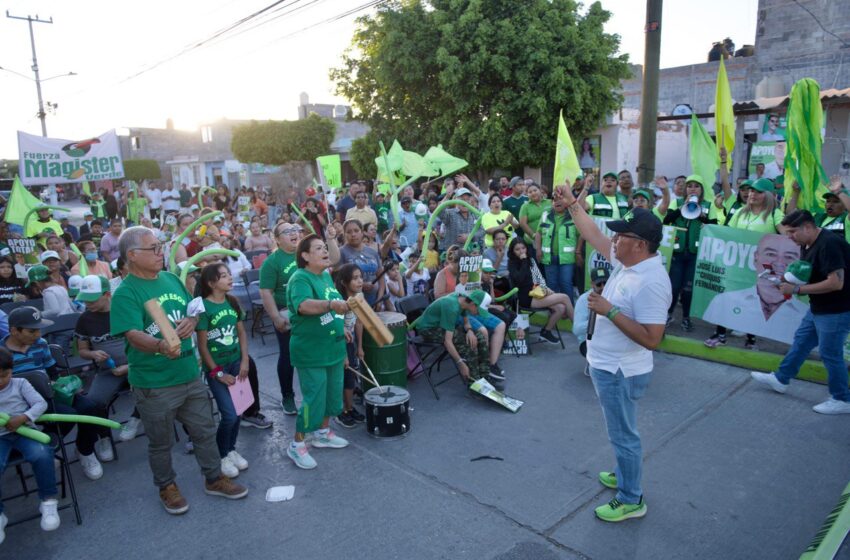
(631, 313)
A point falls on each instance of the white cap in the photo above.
(74, 282)
(462, 191)
(421, 210)
(48, 255)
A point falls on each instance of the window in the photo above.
(206, 134)
(135, 143)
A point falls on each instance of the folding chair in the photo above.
(39, 380)
(251, 279)
(11, 305)
(61, 329)
(69, 364)
(430, 354)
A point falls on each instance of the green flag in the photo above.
(705, 160)
(389, 170)
(566, 162)
(21, 201)
(330, 169)
(441, 162)
(803, 154)
(415, 165)
(724, 117)
(86, 188)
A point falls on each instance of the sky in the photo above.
(120, 52)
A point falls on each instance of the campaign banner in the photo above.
(54, 160)
(592, 259)
(736, 282)
(330, 171)
(769, 154)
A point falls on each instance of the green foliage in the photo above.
(8, 168)
(363, 153)
(281, 142)
(140, 169)
(485, 78)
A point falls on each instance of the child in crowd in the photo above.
(417, 276)
(395, 284)
(348, 280)
(223, 345)
(24, 404)
(56, 299)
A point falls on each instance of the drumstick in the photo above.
(363, 377)
(164, 323)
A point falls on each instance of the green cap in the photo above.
(644, 193)
(830, 193)
(695, 179)
(38, 273)
(798, 272)
(610, 174)
(474, 247)
(746, 183)
(74, 283)
(779, 180)
(764, 185)
(93, 287)
(476, 296)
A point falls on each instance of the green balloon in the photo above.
(80, 418)
(26, 431)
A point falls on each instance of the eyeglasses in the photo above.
(157, 249)
(290, 230)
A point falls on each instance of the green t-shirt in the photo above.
(219, 320)
(185, 197)
(317, 340)
(151, 371)
(442, 314)
(514, 204)
(382, 210)
(275, 273)
(533, 211)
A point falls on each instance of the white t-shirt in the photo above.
(154, 196)
(643, 293)
(417, 283)
(56, 301)
(170, 200)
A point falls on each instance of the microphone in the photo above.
(591, 325)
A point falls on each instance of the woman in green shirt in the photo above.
(317, 348)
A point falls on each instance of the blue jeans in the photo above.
(38, 455)
(828, 332)
(228, 425)
(618, 396)
(559, 277)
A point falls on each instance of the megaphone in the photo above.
(692, 209)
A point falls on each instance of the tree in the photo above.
(363, 152)
(485, 78)
(141, 169)
(281, 142)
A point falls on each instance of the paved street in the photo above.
(731, 471)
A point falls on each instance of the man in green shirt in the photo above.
(166, 380)
(42, 226)
(608, 203)
(514, 203)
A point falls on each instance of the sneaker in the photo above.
(103, 450)
(615, 511)
(770, 380)
(3, 521)
(714, 341)
(548, 336)
(301, 457)
(228, 469)
(356, 416)
(49, 514)
(238, 460)
(687, 326)
(832, 406)
(289, 407)
(496, 373)
(225, 488)
(189, 447)
(345, 420)
(328, 439)
(257, 421)
(172, 500)
(91, 466)
(130, 429)
(608, 480)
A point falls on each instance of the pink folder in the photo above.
(241, 394)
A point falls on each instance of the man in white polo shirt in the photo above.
(631, 314)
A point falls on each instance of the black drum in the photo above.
(387, 411)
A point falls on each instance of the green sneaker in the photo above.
(615, 511)
(289, 405)
(608, 479)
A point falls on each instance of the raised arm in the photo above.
(724, 175)
(584, 223)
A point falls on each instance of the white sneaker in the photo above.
(300, 455)
(103, 450)
(770, 380)
(3, 521)
(228, 469)
(328, 439)
(832, 406)
(238, 460)
(91, 466)
(130, 429)
(49, 515)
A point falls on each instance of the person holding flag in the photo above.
(836, 204)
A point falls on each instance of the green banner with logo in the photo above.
(330, 171)
(736, 282)
(593, 259)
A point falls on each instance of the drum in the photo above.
(388, 362)
(387, 411)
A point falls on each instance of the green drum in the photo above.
(388, 362)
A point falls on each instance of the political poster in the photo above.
(772, 128)
(330, 171)
(54, 160)
(593, 259)
(769, 154)
(736, 282)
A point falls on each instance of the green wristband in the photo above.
(613, 312)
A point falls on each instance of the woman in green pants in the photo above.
(317, 349)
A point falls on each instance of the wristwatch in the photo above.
(219, 374)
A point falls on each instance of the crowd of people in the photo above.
(315, 251)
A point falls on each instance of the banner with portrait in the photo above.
(590, 154)
(736, 282)
(769, 154)
(593, 260)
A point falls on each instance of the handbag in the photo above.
(537, 292)
(66, 387)
(539, 289)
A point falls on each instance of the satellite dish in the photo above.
(682, 110)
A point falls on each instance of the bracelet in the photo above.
(797, 288)
(613, 312)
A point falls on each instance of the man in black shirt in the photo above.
(827, 323)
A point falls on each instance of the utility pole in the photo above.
(649, 93)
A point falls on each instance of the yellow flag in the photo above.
(724, 118)
(566, 161)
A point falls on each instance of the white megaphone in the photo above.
(692, 209)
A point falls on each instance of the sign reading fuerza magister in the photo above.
(54, 160)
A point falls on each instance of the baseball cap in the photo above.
(644, 193)
(610, 174)
(829, 193)
(48, 255)
(218, 219)
(640, 222)
(695, 179)
(406, 199)
(88, 214)
(487, 266)
(192, 268)
(74, 285)
(27, 317)
(763, 185)
(477, 297)
(462, 191)
(599, 275)
(92, 287)
(38, 273)
(746, 184)
(515, 180)
(194, 207)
